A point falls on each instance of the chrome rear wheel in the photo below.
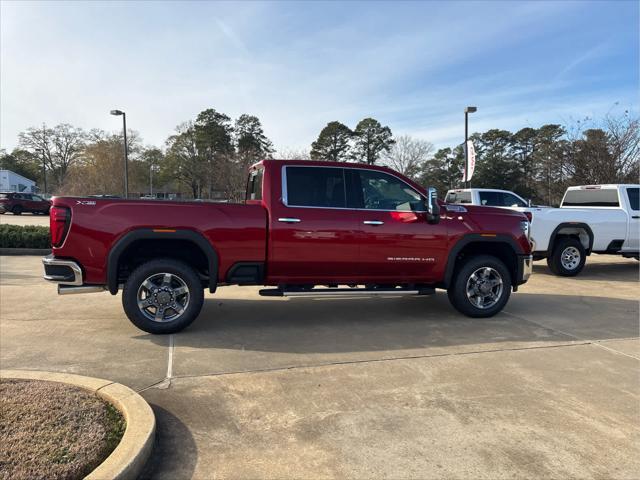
(163, 297)
(570, 258)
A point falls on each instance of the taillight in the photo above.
(59, 219)
(529, 216)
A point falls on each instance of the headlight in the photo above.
(525, 226)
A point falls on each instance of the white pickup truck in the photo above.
(591, 219)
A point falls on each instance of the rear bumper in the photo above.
(525, 268)
(68, 275)
(63, 272)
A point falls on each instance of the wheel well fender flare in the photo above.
(476, 238)
(127, 239)
(556, 232)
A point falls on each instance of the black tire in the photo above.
(457, 291)
(184, 274)
(17, 210)
(563, 260)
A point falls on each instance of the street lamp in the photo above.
(126, 153)
(152, 167)
(44, 169)
(467, 111)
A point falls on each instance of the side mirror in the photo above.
(433, 209)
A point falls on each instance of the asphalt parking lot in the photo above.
(369, 387)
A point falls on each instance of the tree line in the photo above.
(208, 157)
(540, 163)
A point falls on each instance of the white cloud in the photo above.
(295, 66)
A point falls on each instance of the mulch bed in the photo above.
(53, 430)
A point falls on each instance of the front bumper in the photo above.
(525, 268)
(63, 272)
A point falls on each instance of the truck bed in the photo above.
(236, 232)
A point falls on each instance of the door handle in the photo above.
(373, 222)
(289, 220)
(636, 216)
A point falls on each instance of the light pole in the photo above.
(151, 165)
(467, 111)
(44, 170)
(126, 153)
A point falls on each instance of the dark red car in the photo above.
(18, 203)
(305, 229)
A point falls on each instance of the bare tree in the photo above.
(624, 142)
(292, 154)
(606, 151)
(408, 155)
(61, 146)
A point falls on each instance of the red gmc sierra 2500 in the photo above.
(303, 225)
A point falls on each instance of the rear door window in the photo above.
(632, 194)
(459, 197)
(315, 187)
(592, 197)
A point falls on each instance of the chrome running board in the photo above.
(345, 292)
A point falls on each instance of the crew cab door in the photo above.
(397, 244)
(632, 242)
(312, 231)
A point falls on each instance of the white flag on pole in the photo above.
(471, 155)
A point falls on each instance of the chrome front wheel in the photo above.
(484, 287)
(481, 286)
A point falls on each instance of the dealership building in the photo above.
(12, 182)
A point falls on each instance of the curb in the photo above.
(25, 251)
(130, 456)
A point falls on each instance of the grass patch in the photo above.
(116, 427)
(54, 431)
(29, 236)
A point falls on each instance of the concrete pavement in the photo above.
(378, 387)
(24, 219)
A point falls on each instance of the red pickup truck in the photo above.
(305, 229)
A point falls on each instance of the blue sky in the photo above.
(298, 65)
